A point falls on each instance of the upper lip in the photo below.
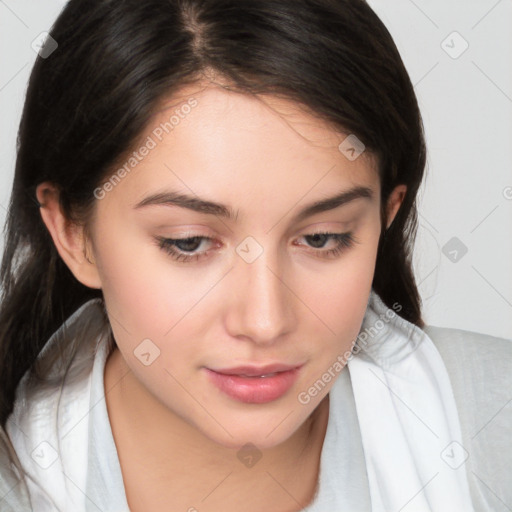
(254, 371)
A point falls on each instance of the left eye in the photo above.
(178, 248)
(343, 241)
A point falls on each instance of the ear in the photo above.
(394, 202)
(69, 239)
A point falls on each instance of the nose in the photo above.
(261, 308)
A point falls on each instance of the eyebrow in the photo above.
(170, 198)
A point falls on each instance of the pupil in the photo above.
(188, 244)
(318, 237)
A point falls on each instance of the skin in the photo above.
(176, 434)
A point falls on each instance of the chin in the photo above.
(250, 440)
(264, 433)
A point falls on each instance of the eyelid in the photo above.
(306, 231)
(344, 241)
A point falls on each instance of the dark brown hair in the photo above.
(92, 97)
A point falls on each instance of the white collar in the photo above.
(408, 417)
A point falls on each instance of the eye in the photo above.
(342, 242)
(178, 248)
(184, 249)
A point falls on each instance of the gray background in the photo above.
(466, 102)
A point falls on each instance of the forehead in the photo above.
(220, 113)
(206, 140)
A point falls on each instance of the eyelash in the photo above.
(344, 241)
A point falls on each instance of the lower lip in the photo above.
(254, 390)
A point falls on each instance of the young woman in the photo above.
(208, 301)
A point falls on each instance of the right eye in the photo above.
(178, 248)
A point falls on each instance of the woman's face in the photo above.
(254, 283)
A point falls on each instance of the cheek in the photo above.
(341, 290)
(339, 298)
(145, 294)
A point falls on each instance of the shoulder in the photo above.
(481, 359)
(45, 432)
(479, 367)
(443, 335)
(480, 370)
(13, 491)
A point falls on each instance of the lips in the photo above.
(254, 384)
(254, 371)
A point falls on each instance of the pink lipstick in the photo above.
(255, 385)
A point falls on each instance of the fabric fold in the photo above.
(408, 418)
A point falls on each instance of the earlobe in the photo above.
(69, 239)
(394, 202)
